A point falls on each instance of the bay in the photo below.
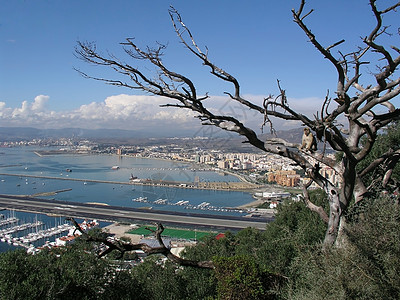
(24, 161)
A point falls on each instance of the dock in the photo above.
(6, 234)
(8, 221)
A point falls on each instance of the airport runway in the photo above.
(115, 213)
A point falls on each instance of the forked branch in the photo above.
(123, 247)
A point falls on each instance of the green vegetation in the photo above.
(367, 267)
(71, 273)
(388, 142)
(264, 205)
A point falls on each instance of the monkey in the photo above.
(308, 141)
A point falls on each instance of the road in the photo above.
(115, 213)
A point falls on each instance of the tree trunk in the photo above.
(335, 213)
(339, 200)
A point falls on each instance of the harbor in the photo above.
(96, 179)
(31, 234)
(36, 235)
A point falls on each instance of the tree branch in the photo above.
(122, 247)
(315, 208)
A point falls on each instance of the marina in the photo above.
(21, 227)
(9, 234)
(34, 236)
(9, 220)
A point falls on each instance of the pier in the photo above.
(8, 221)
(6, 234)
(45, 233)
(18, 228)
(51, 193)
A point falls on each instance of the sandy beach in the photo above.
(252, 204)
(120, 231)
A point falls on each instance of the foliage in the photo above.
(162, 279)
(158, 279)
(294, 230)
(60, 274)
(210, 247)
(238, 278)
(261, 259)
(367, 266)
(270, 253)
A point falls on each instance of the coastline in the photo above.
(125, 191)
(252, 204)
(242, 185)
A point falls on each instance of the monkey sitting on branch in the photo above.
(308, 141)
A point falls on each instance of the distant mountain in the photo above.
(118, 136)
(28, 133)
(291, 135)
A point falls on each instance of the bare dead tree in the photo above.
(122, 247)
(357, 103)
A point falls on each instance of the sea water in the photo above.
(23, 161)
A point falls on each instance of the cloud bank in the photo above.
(117, 112)
(135, 112)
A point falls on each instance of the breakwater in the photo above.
(224, 186)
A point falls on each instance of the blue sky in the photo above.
(256, 41)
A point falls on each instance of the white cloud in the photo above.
(253, 119)
(119, 111)
(140, 113)
(40, 103)
(3, 109)
(131, 108)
